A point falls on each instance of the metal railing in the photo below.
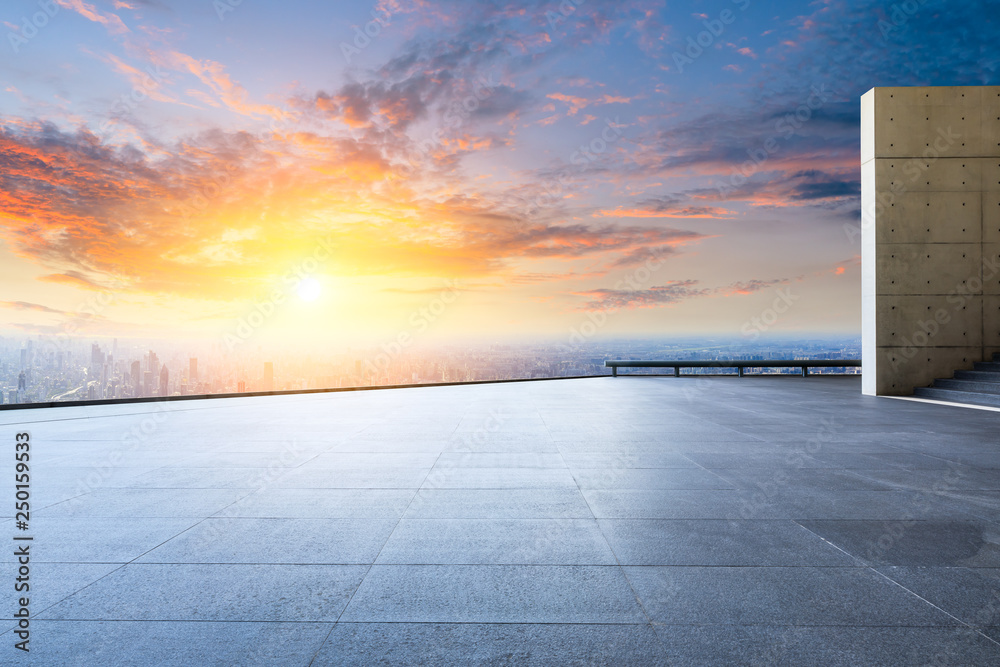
(741, 366)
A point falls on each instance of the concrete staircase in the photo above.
(978, 387)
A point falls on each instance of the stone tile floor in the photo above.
(714, 521)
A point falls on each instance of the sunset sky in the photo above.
(165, 166)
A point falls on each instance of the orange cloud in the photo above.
(230, 93)
(112, 22)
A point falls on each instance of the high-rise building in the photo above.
(136, 379)
(241, 387)
(24, 358)
(22, 388)
(147, 383)
(153, 364)
(164, 380)
(193, 370)
(268, 376)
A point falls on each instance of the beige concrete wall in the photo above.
(930, 199)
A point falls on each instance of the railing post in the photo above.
(805, 371)
(614, 371)
(739, 371)
(677, 371)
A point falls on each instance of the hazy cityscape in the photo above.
(53, 369)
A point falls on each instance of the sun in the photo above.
(309, 289)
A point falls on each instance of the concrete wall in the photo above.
(930, 199)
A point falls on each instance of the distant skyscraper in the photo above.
(241, 387)
(193, 370)
(136, 379)
(153, 364)
(147, 383)
(24, 359)
(164, 381)
(22, 388)
(268, 376)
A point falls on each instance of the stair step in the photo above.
(982, 376)
(987, 366)
(969, 385)
(970, 397)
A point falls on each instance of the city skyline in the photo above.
(681, 166)
(52, 370)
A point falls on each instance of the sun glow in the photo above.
(309, 289)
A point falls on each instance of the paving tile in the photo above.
(828, 479)
(778, 596)
(227, 540)
(502, 445)
(876, 461)
(970, 594)
(497, 541)
(322, 504)
(71, 540)
(718, 543)
(144, 503)
(51, 582)
(214, 593)
(781, 458)
(498, 478)
(556, 503)
(500, 460)
(914, 542)
(174, 643)
(869, 505)
(203, 478)
(494, 594)
(352, 478)
(651, 478)
(483, 644)
(680, 504)
(604, 460)
(957, 477)
(710, 645)
(365, 460)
